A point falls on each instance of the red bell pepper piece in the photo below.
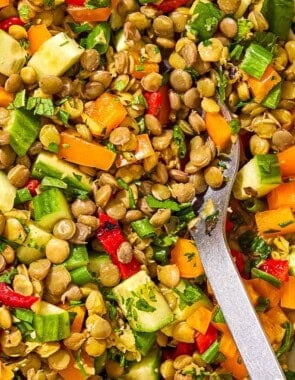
(170, 5)
(204, 341)
(6, 23)
(78, 3)
(277, 268)
(32, 186)
(228, 226)
(240, 262)
(154, 100)
(111, 237)
(164, 112)
(8, 297)
(181, 349)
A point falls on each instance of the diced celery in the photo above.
(256, 60)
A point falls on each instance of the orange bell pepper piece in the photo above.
(5, 97)
(227, 345)
(218, 129)
(261, 87)
(282, 196)
(37, 35)
(277, 222)
(200, 319)
(186, 256)
(288, 293)
(265, 289)
(286, 161)
(235, 366)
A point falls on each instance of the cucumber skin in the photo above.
(146, 369)
(24, 128)
(78, 257)
(51, 327)
(49, 165)
(49, 207)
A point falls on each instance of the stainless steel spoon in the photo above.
(226, 283)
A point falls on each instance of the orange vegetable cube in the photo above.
(5, 97)
(200, 319)
(236, 366)
(37, 35)
(288, 293)
(186, 256)
(261, 87)
(273, 223)
(218, 129)
(265, 289)
(227, 345)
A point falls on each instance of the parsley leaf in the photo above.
(143, 305)
(7, 277)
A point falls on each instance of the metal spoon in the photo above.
(226, 283)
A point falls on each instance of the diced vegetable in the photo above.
(51, 323)
(72, 371)
(143, 228)
(288, 291)
(200, 319)
(258, 177)
(256, 61)
(286, 161)
(277, 222)
(99, 37)
(24, 128)
(82, 152)
(257, 273)
(107, 112)
(7, 193)
(4, 3)
(261, 87)
(48, 164)
(282, 196)
(186, 256)
(236, 366)
(142, 304)
(81, 276)
(50, 206)
(81, 14)
(218, 129)
(144, 341)
(15, 55)
(78, 257)
(227, 345)
(143, 150)
(56, 55)
(279, 14)
(204, 341)
(273, 98)
(147, 368)
(205, 19)
(5, 97)
(211, 353)
(265, 289)
(37, 35)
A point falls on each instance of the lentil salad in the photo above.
(114, 121)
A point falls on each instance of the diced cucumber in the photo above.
(56, 56)
(142, 303)
(51, 323)
(13, 57)
(96, 260)
(33, 248)
(258, 177)
(23, 127)
(146, 369)
(48, 164)
(120, 41)
(144, 341)
(78, 257)
(49, 207)
(189, 298)
(7, 193)
(81, 276)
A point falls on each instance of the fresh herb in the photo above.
(285, 224)
(244, 29)
(139, 100)
(143, 228)
(193, 72)
(179, 139)
(189, 296)
(268, 40)
(204, 20)
(7, 277)
(42, 107)
(24, 43)
(99, 37)
(167, 203)
(125, 186)
(262, 304)
(139, 67)
(279, 14)
(235, 126)
(143, 305)
(63, 116)
(120, 85)
(24, 12)
(49, 3)
(112, 311)
(259, 246)
(190, 256)
(207, 42)
(80, 364)
(94, 4)
(53, 147)
(221, 83)
(236, 52)
(111, 146)
(80, 28)
(141, 125)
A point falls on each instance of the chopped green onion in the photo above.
(204, 21)
(237, 52)
(99, 37)
(160, 255)
(256, 60)
(125, 186)
(262, 304)
(257, 273)
(143, 228)
(210, 354)
(22, 195)
(167, 203)
(25, 315)
(287, 340)
(235, 126)
(273, 98)
(81, 276)
(254, 205)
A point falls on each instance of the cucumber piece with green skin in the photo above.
(55, 56)
(51, 323)
(144, 341)
(258, 177)
(23, 127)
(146, 369)
(33, 248)
(78, 257)
(96, 260)
(14, 57)
(50, 206)
(7, 193)
(142, 303)
(81, 276)
(48, 164)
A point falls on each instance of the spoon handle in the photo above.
(228, 288)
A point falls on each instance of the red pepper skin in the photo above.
(10, 298)
(6, 23)
(228, 226)
(111, 237)
(204, 341)
(277, 268)
(77, 3)
(32, 186)
(181, 349)
(240, 262)
(170, 5)
(154, 100)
